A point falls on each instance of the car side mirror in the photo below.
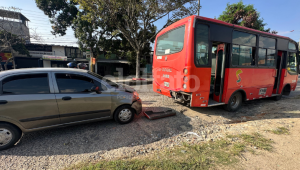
(95, 89)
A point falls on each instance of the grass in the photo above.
(199, 156)
(258, 141)
(280, 131)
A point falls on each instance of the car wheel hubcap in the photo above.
(125, 115)
(5, 136)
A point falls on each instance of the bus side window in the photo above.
(292, 63)
(243, 55)
(243, 49)
(266, 51)
(201, 42)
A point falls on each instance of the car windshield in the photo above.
(111, 83)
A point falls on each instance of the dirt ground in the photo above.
(286, 153)
(106, 140)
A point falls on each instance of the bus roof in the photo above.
(237, 26)
(222, 23)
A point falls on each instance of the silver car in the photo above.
(43, 98)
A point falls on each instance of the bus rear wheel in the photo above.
(234, 103)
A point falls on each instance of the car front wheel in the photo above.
(124, 115)
(9, 135)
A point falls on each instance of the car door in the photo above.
(77, 99)
(29, 99)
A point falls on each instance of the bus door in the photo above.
(278, 75)
(219, 49)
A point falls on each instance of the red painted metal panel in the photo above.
(169, 68)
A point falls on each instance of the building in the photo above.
(15, 23)
(49, 55)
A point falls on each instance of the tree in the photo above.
(96, 32)
(61, 14)
(244, 15)
(135, 19)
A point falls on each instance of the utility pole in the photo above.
(198, 7)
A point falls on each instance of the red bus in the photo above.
(205, 62)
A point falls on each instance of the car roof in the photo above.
(33, 70)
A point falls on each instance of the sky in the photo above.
(282, 16)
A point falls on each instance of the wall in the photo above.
(58, 51)
(16, 28)
(47, 63)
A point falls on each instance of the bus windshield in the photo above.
(170, 42)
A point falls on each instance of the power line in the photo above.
(35, 16)
(40, 25)
(40, 20)
(54, 42)
(35, 26)
(40, 12)
(27, 10)
(58, 41)
(50, 35)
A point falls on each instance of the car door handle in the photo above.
(3, 101)
(67, 98)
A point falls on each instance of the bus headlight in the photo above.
(185, 71)
(184, 86)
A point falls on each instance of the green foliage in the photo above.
(244, 15)
(255, 139)
(281, 131)
(135, 19)
(238, 148)
(10, 40)
(91, 31)
(61, 13)
(21, 49)
(209, 155)
(106, 24)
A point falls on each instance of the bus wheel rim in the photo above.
(235, 101)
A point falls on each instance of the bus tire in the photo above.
(235, 102)
(276, 98)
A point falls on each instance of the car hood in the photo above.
(123, 87)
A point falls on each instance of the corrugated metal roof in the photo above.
(12, 14)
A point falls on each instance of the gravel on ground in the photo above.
(60, 148)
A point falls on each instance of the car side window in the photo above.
(75, 83)
(26, 84)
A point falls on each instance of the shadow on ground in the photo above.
(108, 135)
(98, 136)
(256, 110)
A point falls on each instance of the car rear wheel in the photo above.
(124, 114)
(9, 135)
(234, 103)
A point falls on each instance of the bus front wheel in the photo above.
(235, 102)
